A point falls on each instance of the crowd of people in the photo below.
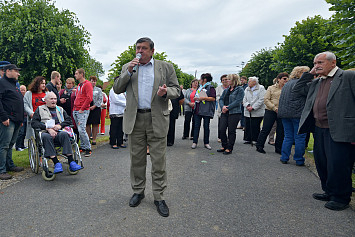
(82, 107)
(144, 105)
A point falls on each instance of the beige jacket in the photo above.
(164, 73)
(272, 97)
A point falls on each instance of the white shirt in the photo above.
(145, 84)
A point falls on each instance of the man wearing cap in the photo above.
(11, 115)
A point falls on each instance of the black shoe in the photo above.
(278, 152)
(136, 199)
(260, 149)
(336, 206)
(221, 150)
(114, 147)
(16, 169)
(284, 162)
(300, 164)
(321, 196)
(227, 152)
(247, 142)
(87, 153)
(184, 138)
(170, 144)
(162, 208)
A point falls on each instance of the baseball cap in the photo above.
(11, 67)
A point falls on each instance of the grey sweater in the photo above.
(290, 105)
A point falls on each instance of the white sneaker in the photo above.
(208, 146)
(194, 145)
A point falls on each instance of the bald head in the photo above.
(50, 99)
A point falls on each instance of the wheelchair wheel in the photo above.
(72, 172)
(47, 174)
(33, 155)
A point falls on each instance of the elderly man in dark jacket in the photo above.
(290, 110)
(11, 114)
(329, 111)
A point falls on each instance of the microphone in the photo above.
(136, 66)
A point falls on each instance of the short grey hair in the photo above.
(330, 56)
(46, 97)
(256, 79)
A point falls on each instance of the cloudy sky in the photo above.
(213, 36)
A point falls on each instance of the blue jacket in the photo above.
(235, 100)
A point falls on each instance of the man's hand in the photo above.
(249, 108)
(52, 132)
(6, 123)
(191, 104)
(63, 100)
(162, 90)
(313, 71)
(131, 64)
(92, 107)
(225, 109)
(80, 111)
(57, 127)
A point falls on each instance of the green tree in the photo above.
(306, 40)
(127, 56)
(40, 38)
(259, 66)
(344, 27)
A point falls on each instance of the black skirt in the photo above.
(94, 116)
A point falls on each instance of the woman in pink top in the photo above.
(189, 105)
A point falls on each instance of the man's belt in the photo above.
(144, 110)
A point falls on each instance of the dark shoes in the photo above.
(170, 144)
(321, 196)
(136, 199)
(278, 152)
(123, 146)
(336, 206)
(184, 138)
(16, 169)
(88, 153)
(260, 149)
(5, 176)
(284, 162)
(114, 147)
(221, 150)
(247, 142)
(162, 208)
(227, 152)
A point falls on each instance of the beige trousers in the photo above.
(141, 136)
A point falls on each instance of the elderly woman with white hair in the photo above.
(254, 109)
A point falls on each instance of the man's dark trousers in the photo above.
(334, 162)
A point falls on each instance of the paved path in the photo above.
(209, 194)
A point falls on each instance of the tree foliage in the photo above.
(259, 66)
(129, 54)
(306, 40)
(40, 38)
(343, 21)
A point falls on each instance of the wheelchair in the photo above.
(37, 159)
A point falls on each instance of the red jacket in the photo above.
(84, 94)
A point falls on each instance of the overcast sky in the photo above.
(205, 35)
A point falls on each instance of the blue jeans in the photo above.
(290, 130)
(8, 136)
(206, 128)
(80, 120)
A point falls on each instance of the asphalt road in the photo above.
(209, 194)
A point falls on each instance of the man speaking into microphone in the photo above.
(146, 118)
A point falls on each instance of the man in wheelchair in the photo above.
(52, 119)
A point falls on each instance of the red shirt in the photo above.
(38, 100)
(84, 94)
